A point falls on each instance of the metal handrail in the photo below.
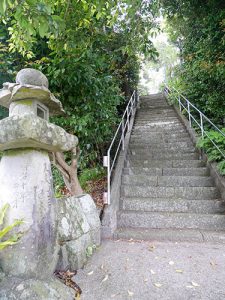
(124, 126)
(181, 98)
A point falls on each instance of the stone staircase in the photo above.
(167, 192)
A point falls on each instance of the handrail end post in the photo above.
(106, 198)
(105, 161)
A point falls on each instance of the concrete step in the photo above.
(166, 171)
(157, 155)
(154, 104)
(173, 205)
(164, 128)
(146, 151)
(158, 120)
(201, 193)
(160, 143)
(165, 149)
(136, 219)
(157, 112)
(170, 117)
(148, 134)
(170, 235)
(140, 133)
(167, 181)
(158, 123)
(162, 164)
(185, 171)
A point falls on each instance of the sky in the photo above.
(152, 76)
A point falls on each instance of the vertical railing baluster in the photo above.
(189, 114)
(123, 135)
(109, 179)
(202, 125)
(128, 121)
(179, 103)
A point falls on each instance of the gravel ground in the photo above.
(140, 270)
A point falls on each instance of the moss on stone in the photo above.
(19, 152)
(26, 102)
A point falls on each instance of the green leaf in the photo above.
(11, 241)
(8, 228)
(3, 6)
(2, 212)
(43, 28)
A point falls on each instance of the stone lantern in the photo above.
(26, 137)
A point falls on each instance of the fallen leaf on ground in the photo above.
(152, 272)
(105, 278)
(90, 273)
(77, 297)
(171, 263)
(130, 293)
(151, 248)
(213, 264)
(195, 284)
(114, 295)
(158, 285)
(179, 271)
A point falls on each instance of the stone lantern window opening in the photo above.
(42, 111)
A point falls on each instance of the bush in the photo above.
(210, 149)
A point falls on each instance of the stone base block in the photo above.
(35, 289)
(78, 231)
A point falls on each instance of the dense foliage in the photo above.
(197, 28)
(214, 153)
(91, 53)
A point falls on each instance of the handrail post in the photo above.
(189, 114)
(131, 107)
(128, 121)
(106, 163)
(109, 181)
(136, 98)
(123, 136)
(202, 125)
(179, 102)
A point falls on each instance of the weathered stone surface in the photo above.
(34, 289)
(28, 107)
(42, 94)
(26, 184)
(78, 229)
(74, 253)
(5, 96)
(32, 132)
(32, 77)
(13, 92)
